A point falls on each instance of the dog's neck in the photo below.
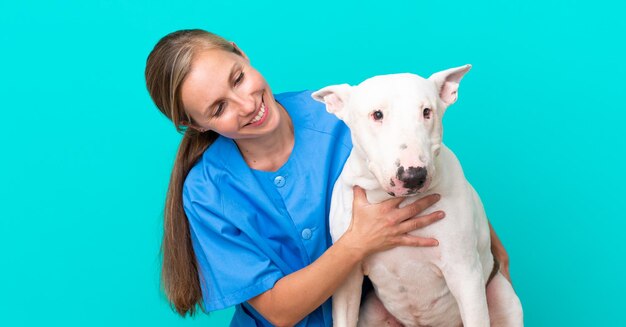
(357, 172)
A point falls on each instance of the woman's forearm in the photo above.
(296, 295)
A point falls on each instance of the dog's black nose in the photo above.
(413, 177)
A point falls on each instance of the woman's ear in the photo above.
(199, 129)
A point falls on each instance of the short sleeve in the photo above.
(232, 268)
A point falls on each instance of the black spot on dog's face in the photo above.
(403, 146)
(391, 182)
(391, 193)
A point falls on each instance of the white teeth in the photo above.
(259, 115)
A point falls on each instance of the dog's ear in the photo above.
(335, 97)
(447, 82)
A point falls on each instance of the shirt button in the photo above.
(279, 181)
(306, 233)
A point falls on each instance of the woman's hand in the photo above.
(498, 251)
(378, 227)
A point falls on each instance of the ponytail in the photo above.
(180, 276)
(166, 68)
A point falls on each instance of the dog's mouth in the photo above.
(422, 189)
(399, 187)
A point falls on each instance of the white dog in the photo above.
(396, 126)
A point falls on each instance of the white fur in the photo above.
(419, 286)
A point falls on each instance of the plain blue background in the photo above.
(86, 157)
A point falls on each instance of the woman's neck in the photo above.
(270, 152)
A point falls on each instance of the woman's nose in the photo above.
(247, 105)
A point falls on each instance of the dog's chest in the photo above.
(411, 286)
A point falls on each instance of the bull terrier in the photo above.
(396, 127)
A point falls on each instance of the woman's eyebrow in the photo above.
(236, 67)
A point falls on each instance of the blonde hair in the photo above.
(166, 68)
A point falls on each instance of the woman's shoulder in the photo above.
(205, 178)
(299, 102)
(311, 113)
(201, 184)
(220, 172)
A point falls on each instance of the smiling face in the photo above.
(395, 122)
(224, 93)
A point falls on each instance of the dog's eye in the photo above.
(377, 115)
(427, 113)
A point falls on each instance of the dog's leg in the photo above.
(467, 285)
(346, 300)
(505, 308)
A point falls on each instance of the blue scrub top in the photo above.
(249, 228)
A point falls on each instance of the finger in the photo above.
(418, 206)
(393, 202)
(359, 195)
(409, 240)
(419, 222)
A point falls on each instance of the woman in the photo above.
(249, 195)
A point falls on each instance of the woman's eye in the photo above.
(239, 78)
(377, 115)
(220, 109)
(427, 113)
